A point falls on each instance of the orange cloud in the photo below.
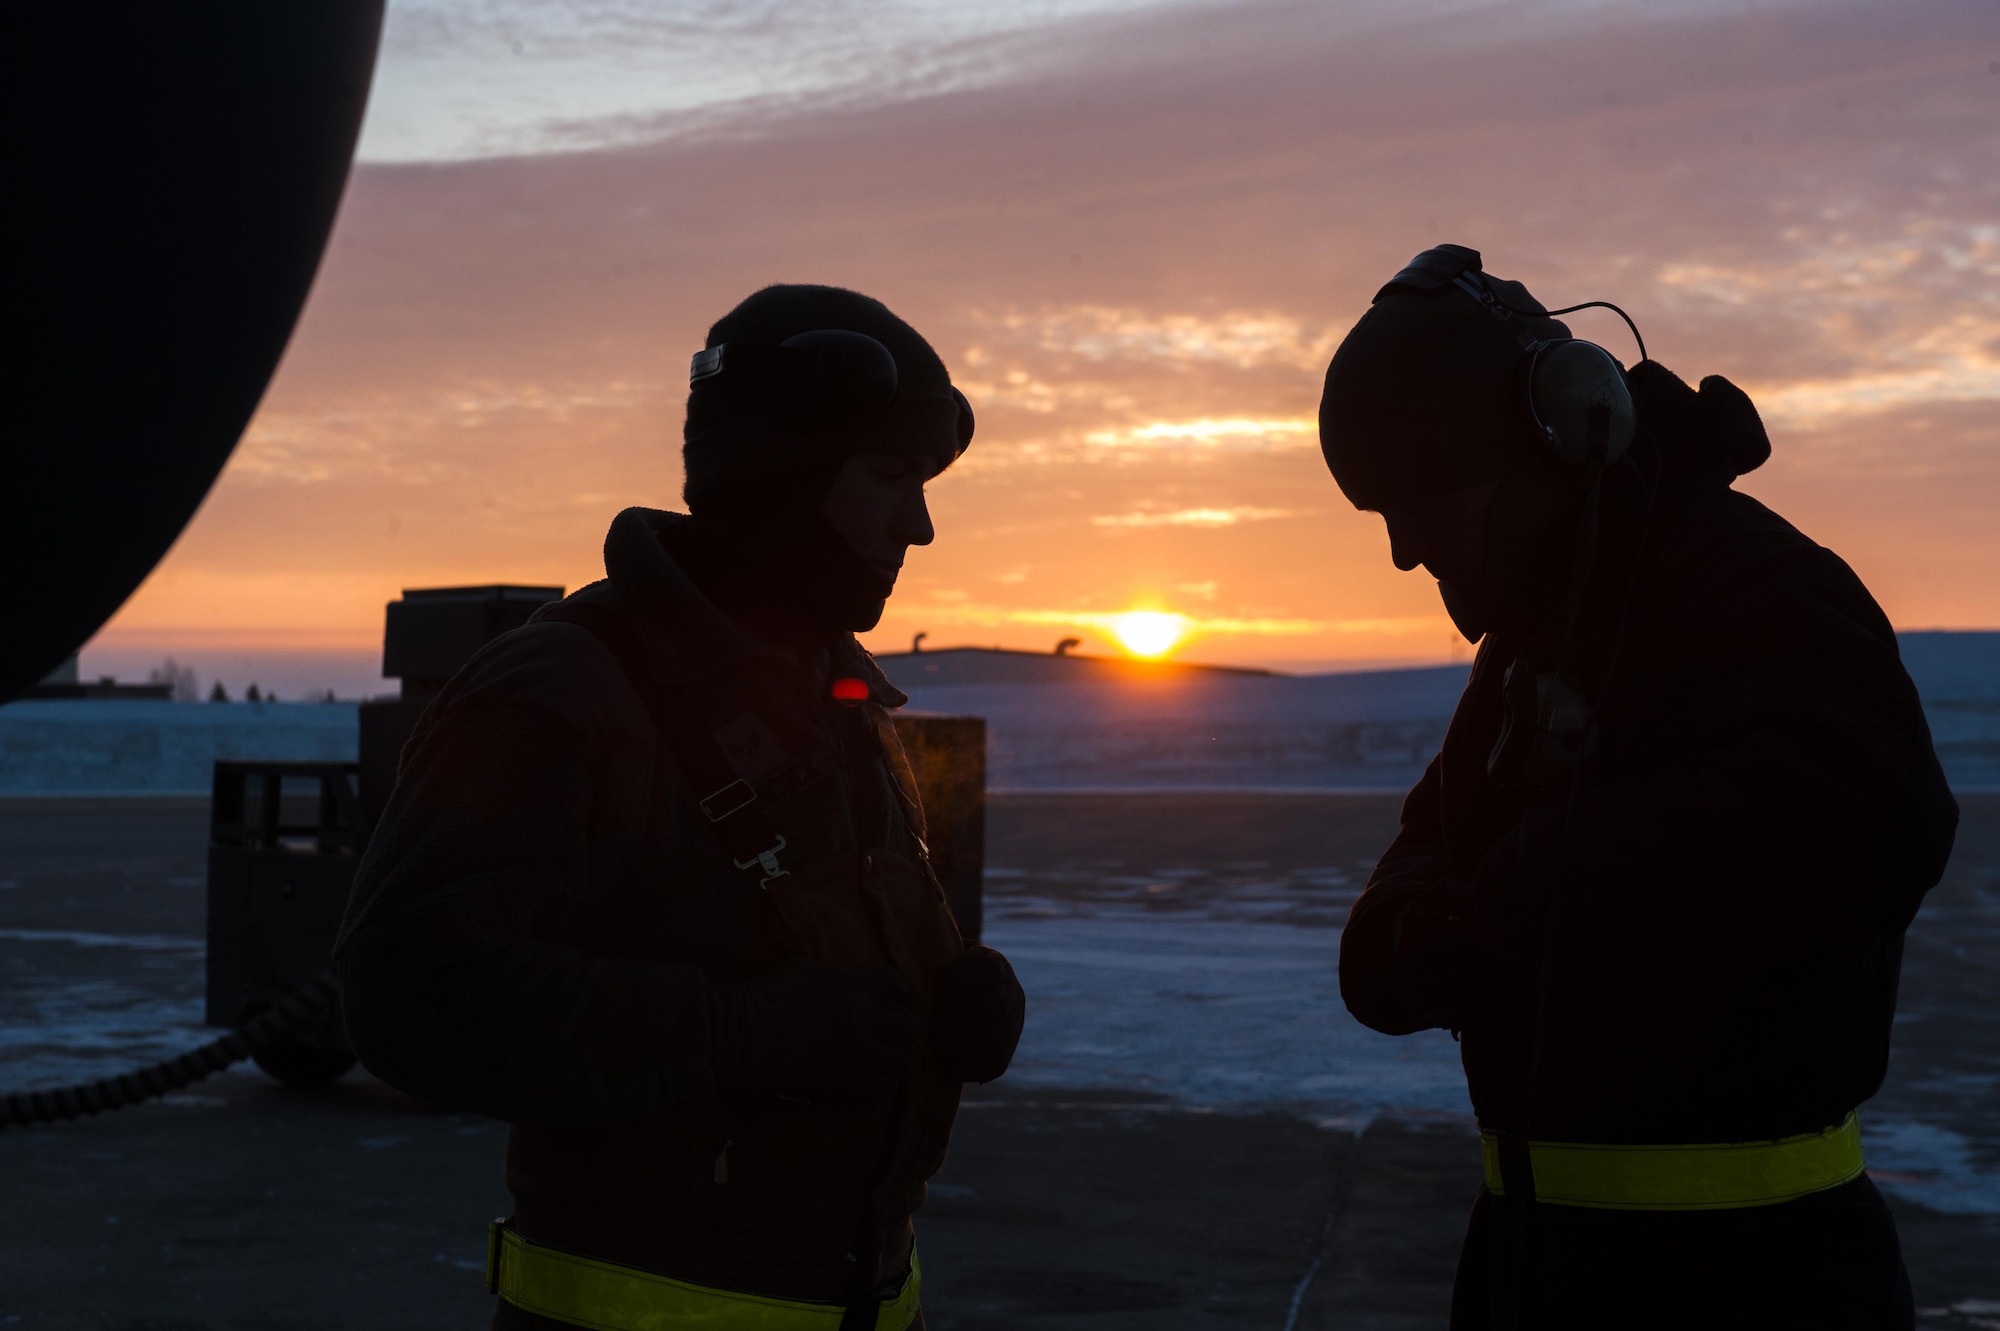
(1137, 254)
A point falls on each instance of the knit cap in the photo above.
(1425, 394)
(748, 428)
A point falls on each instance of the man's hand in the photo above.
(804, 1028)
(976, 1020)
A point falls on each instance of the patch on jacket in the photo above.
(750, 747)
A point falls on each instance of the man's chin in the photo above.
(1468, 613)
(865, 617)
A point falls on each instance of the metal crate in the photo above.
(284, 841)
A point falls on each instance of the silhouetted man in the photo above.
(1657, 880)
(652, 886)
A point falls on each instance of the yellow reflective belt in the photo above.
(607, 1297)
(1719, 1177)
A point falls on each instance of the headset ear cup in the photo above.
(964, 420)
(1577, 395)
(849, 381)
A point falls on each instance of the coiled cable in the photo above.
(286, 1018)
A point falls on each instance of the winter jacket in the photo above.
(1697, 939)
(544, 909)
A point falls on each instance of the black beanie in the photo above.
(1425, 395)
(738, 443)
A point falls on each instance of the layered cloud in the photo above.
(1910, 319)
(1136, 249)
(1210, 432)
(1106, 333)
(483, 78)
(1191, 517)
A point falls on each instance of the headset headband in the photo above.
(1459, 266)
(829, 381)
(1436, 268)
(1573, 390)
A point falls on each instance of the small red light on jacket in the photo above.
(850, 690)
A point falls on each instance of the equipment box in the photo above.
(284, 840)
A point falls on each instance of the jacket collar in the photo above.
(850, 658)
(686, 636)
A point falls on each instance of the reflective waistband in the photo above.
(584, 1291)
(1718, 1177)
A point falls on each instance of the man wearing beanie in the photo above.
(1656, 882)
(652, 886)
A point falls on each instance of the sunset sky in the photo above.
(1135, 231)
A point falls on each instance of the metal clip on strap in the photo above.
(739, 791)
(767, 860)
(733, 808)
(738, 796)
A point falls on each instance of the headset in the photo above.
(828, 381)
(1574, 395)
(1575, 404)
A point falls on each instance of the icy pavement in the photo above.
(1930, 1164)
(1199, 977)
(1214, 1014)
(1218, 988)
(76, 1006)
(1215, 987)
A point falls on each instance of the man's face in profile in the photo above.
(877, 506)
(1445, 533)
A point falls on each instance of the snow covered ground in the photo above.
(105, 747)
(1218, 1014)
(1235, 1016)
(1191, 730)
(1365, 730)
(1235, 1005)
(1958, 675)
(1372, 729)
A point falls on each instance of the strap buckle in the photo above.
(1517, 1168)
(767, 860)
(744, 800)
(495, 1233)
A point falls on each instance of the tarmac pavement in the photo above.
(244, 1204)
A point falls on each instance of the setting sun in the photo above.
(1148, 632)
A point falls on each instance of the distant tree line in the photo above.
(186, 688)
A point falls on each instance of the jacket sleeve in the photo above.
(451, 987)
(1410, 955)
(1802, 810)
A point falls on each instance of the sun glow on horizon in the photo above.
(1148, 632)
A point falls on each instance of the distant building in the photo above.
(62, 682)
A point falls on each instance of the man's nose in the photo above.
(916, 527)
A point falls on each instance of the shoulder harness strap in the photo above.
(731, 805)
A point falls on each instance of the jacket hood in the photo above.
(1706, 436)
(686, 636)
